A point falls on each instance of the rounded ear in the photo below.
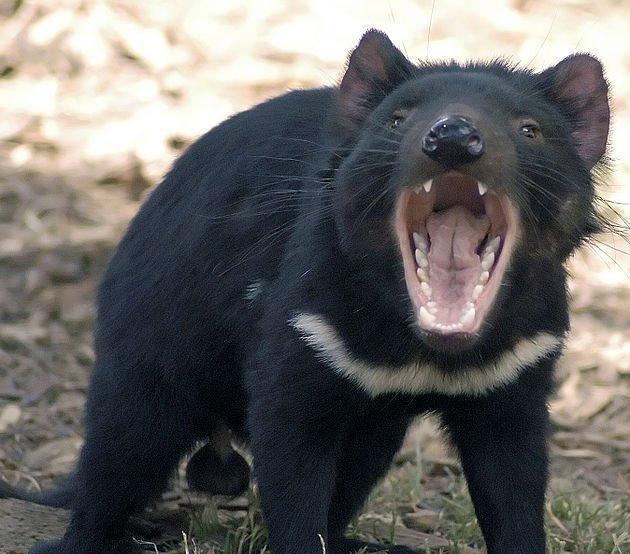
(375, 68)
(577, 83)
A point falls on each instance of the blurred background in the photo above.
(98, 97)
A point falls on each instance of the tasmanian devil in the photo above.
(315, 272)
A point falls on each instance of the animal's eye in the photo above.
(530, 129)
(397, 118)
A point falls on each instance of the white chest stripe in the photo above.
(419, 378)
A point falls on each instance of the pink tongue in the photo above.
(454, 265)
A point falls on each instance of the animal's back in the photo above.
(180, 290)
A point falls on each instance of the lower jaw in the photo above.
(449, 343)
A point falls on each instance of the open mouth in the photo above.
(456, 238)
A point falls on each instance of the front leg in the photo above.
(501, 439)
(368, 451)
(296, 476)
(296, 432)
(367, 454)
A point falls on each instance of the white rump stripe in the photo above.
(420, 378)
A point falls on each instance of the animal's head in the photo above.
(470, 179)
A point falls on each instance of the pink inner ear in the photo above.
(370, 55)
(354, 89)
(366, 68)
(579, 84)
(370, 67)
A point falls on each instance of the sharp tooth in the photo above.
(426, 289)
(427, 186)
(417, 189)
(487, 261)
(468, 317)
(432, 305)
(493, 244)
(477, 291)
(425, 317)
(420, 242)
(421, 259)
(482, 188)
(422, 274)
(483, 278)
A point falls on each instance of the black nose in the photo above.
(453, 141)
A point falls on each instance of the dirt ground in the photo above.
(98, 97)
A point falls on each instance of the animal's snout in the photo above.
(453, 141)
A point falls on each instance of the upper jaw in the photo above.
(456, 237)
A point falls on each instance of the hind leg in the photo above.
(216, 468)
(136, 434)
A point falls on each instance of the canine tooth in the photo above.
(426, 289)
(487, 261)
(417, 189)
(427, 186)
(468, 317)
(477, 291)
(422, 274)
(425, 317)
(420, 242)
(482, 188)
(483, 278)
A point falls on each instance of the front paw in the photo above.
(395, 549)
(350, 546)
(65, 546)
(48, 547)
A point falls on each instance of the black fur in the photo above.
(287, 208)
